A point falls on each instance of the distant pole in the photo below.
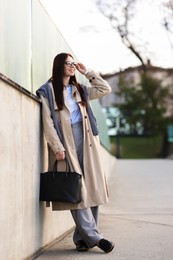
(117, 137)
(117, 145)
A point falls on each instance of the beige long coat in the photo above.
(94, 187)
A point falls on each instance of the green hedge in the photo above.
(139, 147)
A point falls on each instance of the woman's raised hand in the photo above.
(81, 68)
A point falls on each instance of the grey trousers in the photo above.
(86, 220)
(86, 226)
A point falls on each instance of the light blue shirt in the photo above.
(75, 113)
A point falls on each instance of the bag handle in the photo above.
(55, 166)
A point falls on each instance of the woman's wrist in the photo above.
(86, 71)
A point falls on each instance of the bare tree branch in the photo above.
(168, 20)
(120, 13)
(169, 4)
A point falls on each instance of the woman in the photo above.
(71, 132)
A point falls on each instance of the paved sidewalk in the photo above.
(139, 217)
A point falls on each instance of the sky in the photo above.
(100, 48)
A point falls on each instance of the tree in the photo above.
(144, 104)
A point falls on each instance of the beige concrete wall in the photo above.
(26, 225)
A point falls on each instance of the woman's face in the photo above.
(69, 67)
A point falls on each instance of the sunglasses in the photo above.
(71, 63)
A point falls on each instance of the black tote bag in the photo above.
(60, 186)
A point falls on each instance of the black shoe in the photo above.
(82, 246)
(105, 245)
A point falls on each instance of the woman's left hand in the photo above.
(60, 155)
(81, 68)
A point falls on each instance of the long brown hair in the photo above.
(57, 80)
